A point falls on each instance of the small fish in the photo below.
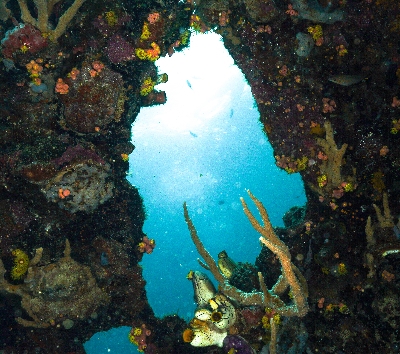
(346, 80)
(189, 84)
(193, 134)
(231, 114)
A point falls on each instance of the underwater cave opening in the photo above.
(205, 146)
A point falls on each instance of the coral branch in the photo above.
(38, 256)
(4, 11)
(44, 9)
(265, 230)
(332, 166)
(382, 238)
(209, 333)
(291, 276)
(271, 240)
(385, 219)
(200, 247)
(274, 336)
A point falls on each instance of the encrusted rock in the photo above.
(81, 186)
(94, 100)
(57, 292)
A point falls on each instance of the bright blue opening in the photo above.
(114, 341)
(205, 146)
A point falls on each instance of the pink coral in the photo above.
(98, 66)
(395, 102)
(338, 193)
(384, 150)
(284, 70)
(147, 245)
(319, 41)
(264, 29)
(153, 17)
(328, 105)
(322, 156)
(291, 11)
(23, 38)
(223, 18)
(61, 87)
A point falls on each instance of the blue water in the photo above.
(114, 341)
(205, 146)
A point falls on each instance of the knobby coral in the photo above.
(62, 291)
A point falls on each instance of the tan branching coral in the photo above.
(381, 236)
(331, 177)
(4, 11)
(64, 291)
(44, 10)
(331, 167)
(385, 219)
(291, 276)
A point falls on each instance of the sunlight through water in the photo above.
(204, 146)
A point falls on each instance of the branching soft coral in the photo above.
(44, 9)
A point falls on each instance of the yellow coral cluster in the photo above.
(315, 31)
(184, 39)
(147, 86)
(342, 308)
(149, 54)
(135, 332)
(348, 186)
(111, 18)
(125, 157)
(396, 126)
(290, 165)
(145, 32)
(21, 264)
(322, 181)
(270, 314)
(342, 269)
(302, 163)
(342, 51)
(35, 68)
(195, 23)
